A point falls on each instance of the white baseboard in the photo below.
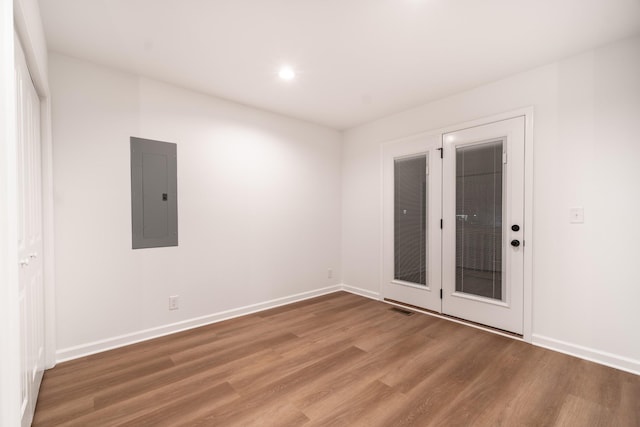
(593, 355)
(70, 353)
(602, 357)
(82, 350)
(362, 292)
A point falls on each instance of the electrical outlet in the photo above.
(330, 273)
(576, 215)
(173, 302)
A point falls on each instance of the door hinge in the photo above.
(504, 157)
(441, 152)
(440, 224)
(440, 293)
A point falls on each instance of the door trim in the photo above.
(528, 114)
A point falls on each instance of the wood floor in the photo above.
(336, 360)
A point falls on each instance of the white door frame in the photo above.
(527, 113)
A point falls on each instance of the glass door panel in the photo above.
(410, 219)
(479, 207)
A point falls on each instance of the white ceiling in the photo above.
(356, 60)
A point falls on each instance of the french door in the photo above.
(412, 172)
(454, 223)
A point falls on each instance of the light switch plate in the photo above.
(576, 215)
(173, 302)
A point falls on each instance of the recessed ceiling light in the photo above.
(286, 73)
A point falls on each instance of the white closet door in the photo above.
(31, 292)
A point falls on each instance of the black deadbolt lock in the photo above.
(515, 227)
(164, 197)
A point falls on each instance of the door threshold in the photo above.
(456, 319)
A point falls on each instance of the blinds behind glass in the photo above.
(410, 219)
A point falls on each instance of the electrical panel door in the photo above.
(154, 193)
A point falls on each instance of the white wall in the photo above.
(586, 286)
(258, 207)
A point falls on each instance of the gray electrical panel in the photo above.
(154, 193)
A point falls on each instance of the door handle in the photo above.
(24, 262)
(515, 243)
